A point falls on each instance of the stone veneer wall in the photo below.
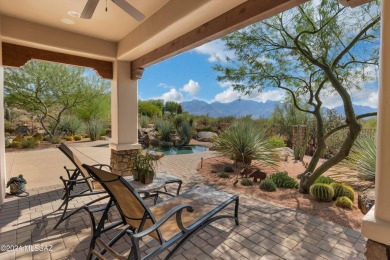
(121, 161)
(376, 250)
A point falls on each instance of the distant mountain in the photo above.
(240, 108)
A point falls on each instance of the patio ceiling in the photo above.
(114, 35)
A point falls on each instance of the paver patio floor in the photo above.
(266, 230)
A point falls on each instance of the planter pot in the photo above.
(136, 176)
(147, 178)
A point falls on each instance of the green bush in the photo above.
(276, 141)
(282, 180)
(38, 136)
(70, 125)
(267, 185)
(9, 127)
(178, 121)
(94, 129)
(344, 202)
(325, 180)
(16, 144)
(56, 139)
(224, 175)
(28, 143)
(246, 182)
(144, 121)
(149, 109)
(244, 142)
(164, 130)
(185, 132)
(322, 192)
(7, 143)
(342, 190)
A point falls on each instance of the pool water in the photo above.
(186, 149)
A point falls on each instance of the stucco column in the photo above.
(376, 224)
(124, 118)
(2, 137)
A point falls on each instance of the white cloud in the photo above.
(363, 97)
(216, 50)
(172, 95)
(225, 84)
(165, 85)
(191, 87)
(230, 95)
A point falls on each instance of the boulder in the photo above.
(205, 136)
(366, 200)
(155, 155)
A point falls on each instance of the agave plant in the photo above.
(244, 142)
(362, 158)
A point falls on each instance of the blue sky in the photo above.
(190, 76)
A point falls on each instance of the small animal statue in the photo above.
(257, 174)
(245, 172)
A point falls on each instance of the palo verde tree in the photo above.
(50, 90)
(311, 51)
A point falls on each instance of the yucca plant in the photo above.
(362, 158)
(244, 142)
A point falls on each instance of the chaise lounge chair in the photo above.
(172, 221)
(70, 192)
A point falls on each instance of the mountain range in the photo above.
(240, 108)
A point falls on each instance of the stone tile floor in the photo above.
(266, 230)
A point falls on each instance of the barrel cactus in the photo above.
(340, 190)
(267, 185)
(322, 192)
(344, 202)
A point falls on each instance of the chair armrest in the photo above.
(101, 165)
(176, 210)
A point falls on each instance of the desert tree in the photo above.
(50, 90)
(317, 49)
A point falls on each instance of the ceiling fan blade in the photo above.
(89, 9)
(125, 6)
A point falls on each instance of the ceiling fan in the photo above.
(90, 7)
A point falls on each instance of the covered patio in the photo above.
(119, 48)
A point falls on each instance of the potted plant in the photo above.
(144, 168)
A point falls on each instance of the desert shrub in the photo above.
(244, 142)
(224, 175)
(144, 121)
(178, 121)
(77, 137)
(164, 130)
(149, 109)
(94, 129)
(185, 132)
(344, 202)
(246, 182)
(228, 169)
(7, 143)
(28, 143)
(9, 127)
(267, 185)
(322, 192)
(325, 180)
(55, 139)
(16, 144)
(38, 136)
(276, 141)
(70, 125)
(69, 138)
(362, 158)
(18, 138)
(282, 180)
(341, 190)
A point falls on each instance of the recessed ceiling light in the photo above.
(74, 14)
(67, 21)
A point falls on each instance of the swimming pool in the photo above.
(185, 149)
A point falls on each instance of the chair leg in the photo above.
(236, 211)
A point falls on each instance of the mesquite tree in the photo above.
(313, 50)
(49, 90)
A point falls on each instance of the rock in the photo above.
(205, 136)
(366, 200)
(164, 143)
(155, 155)
(257, 174)
(153, 141)
(284, 157)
